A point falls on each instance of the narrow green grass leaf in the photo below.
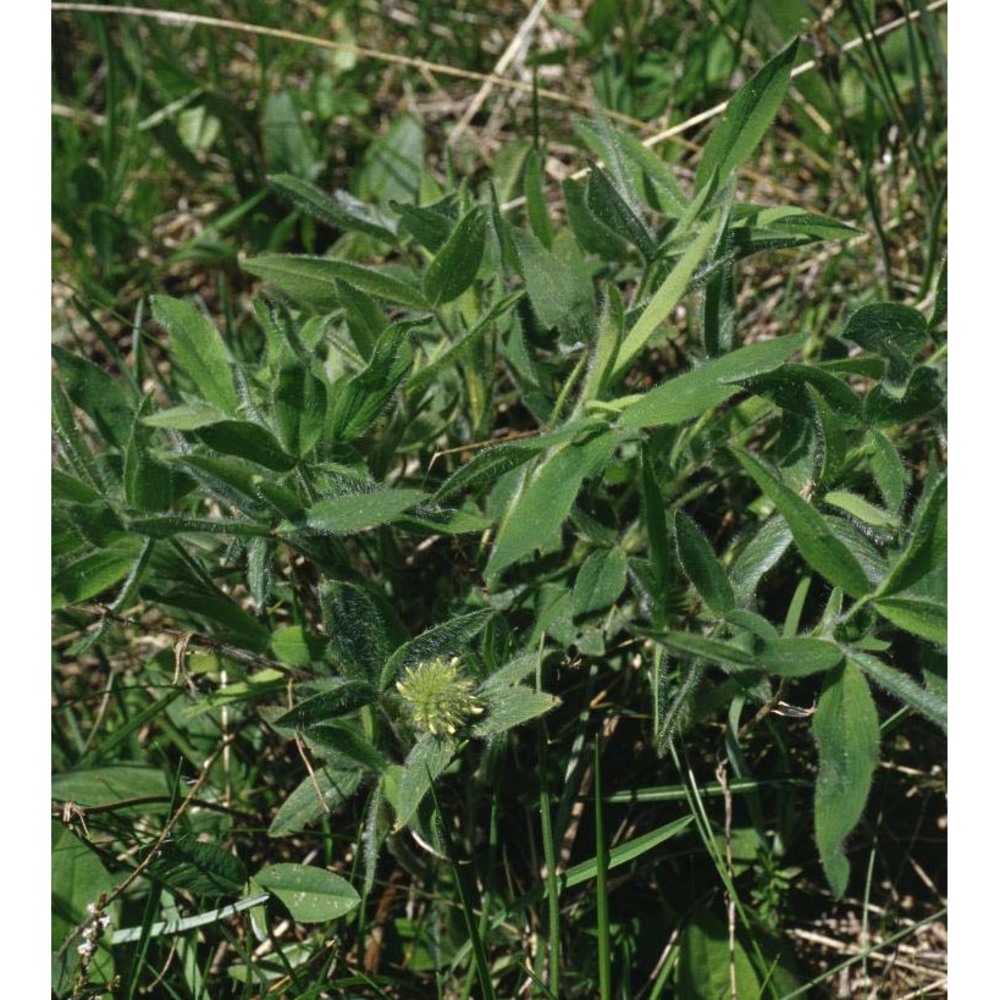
(454, 267)
(695, 392)
(312, 280)
(746, 118)
(128, 935)
(312, 895)
(197, 345)
(814, 538)
(702, 567)
(662, 304)
(601, 887)
(846, 730)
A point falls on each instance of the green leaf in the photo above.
(543, 500)
(448, 639)
(611, 208)
(600, 581)
(358, 404)
(430, 226)
(145, 480)
(311, 895)
(702, 567)
(95, 392)
(196, 344)
(799, 656)
(354, 512)
(887, 467)
(534, 195)
(94, 573)
(246, 440)
(312, 280)
(346, 697)
(293, 645)
(859, 508)
(359, 626)
(846, 730)
(888, 328)
(205, 869)
(928, 546)
(342, 211)
(762, 552)
(102, 786)
(315, 796)
(814, 538)
(428, 758)
(691, 644)
(454, 267)
(187, 417)
(666, 297)
(747, 117)
(346, 741)
(299, 402)
(918, 615)
(706, 968)
(168, 525)
(512, 706)
(78, 881)
(695, 392)
(559, 286)
(923, 395)
(928, 703)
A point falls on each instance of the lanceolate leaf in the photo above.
(342, 211)
(428, 758)
(196, 344)
(919, 615)
(352, 512)
(314, 796)
(544, 499)
(695, 392)
(747, 117)
(903, 687)
(454, 268)
(815, 540)
(312, 280)
(667, 295)
(846, 729)
(798, 656)
(928, 547)
(702, 567)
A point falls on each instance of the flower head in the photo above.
(438, 697)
